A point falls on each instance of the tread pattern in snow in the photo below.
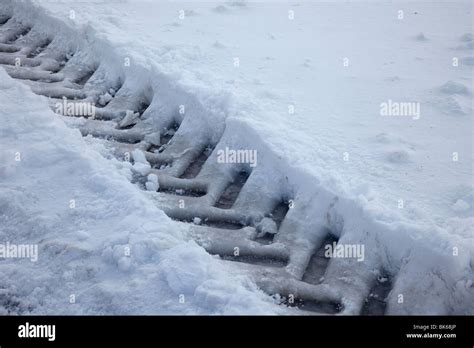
(254, 240)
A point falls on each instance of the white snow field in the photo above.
(312, 87)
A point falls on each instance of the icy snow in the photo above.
(452, 87)
(460, 205)
(104, 99)
(129, 119)
(152, 183)
(138, 156)
(115, 251)
(266, 225)
(142, 168)
(306, 91)
(153, 138)
(140, 165)
(291, 84)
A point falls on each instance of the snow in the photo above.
(139, 157)
(153, 138)
(451, 87)
(114, 251)
(460, 205)
(141, 168)
(298, 63)
(141, 165)
(129, 119)
(302, 83)
(104, 99)
(152, 182)
(266, 225)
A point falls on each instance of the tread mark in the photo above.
(230, 194)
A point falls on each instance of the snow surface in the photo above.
(299, 63)
(290, 97)
(114, 250)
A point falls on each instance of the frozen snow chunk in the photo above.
(452, 87)
(170, 132)
(151, 186)
(185, 267)
(129, 119)
(82, 235)
(153, 138)
(104, 99)
(153, 178)
(143, 251)
(142, 168)
(152, 183)
(266, 225)
(138, 156)
(214, 294)
(460, 206)
(197, 221)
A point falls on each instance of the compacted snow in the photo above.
(367, 102)
(103, 247)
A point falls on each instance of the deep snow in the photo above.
(294, 100)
